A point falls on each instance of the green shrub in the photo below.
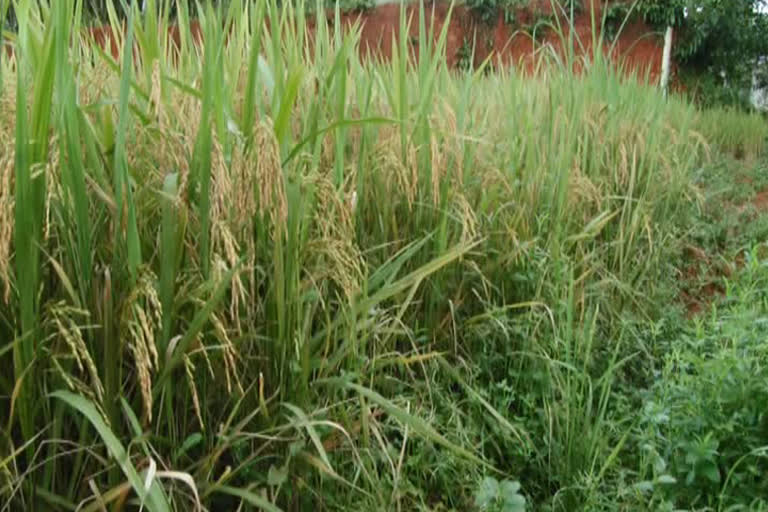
(704, 426)
(616, 13)
(486, 10)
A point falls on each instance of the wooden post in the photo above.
(666, 61)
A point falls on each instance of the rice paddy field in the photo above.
(262, 273)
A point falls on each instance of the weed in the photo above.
(496, 496)
(465, 56)
(615, 16)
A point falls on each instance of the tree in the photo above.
(722, 39)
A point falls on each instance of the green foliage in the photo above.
(744, 136)
(465, 56)
(351, 5)
(614, 17)
(495, 496)
(663, 13)
(334, 283)
(572, 6)
(702, 421)
(540, 24)
(148, 489)
(718, 39)
(486, 10)
(709, 91)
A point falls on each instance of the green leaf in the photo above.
(313, 435)
(666, 479)
(509, 489)
(288, 99)
(197, 324)
(512, 500)
(171, 234)
(248, 497)
(190, 442)
(487, 492)
(451, 371)
(711, 472)
(122, 181)
(253, 72)
(417, 424)
(154, 499)
(644, 486)
(333, 126)
(277, 476)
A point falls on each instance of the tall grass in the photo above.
(733, 131)
(232, 265)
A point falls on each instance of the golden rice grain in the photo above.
(7, 202)
(141, 318)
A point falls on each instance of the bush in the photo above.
(720, 39)
(704, 423)
(486, 10)
(615, 16)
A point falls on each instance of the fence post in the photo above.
(666, 61)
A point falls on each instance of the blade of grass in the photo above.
(122, 182)
(253, 74)
(154, 498)
(32, 140)
(171, 239)
(73, 173)
(248, 497)
(415, 423)
(195, 326)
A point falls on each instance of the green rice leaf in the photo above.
(248, 497)
(154, 499)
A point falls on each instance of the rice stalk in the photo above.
(269, 176)
(63, 319)
(189, 368)
(141, 319)
(7, 201)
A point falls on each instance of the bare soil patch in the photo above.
(703, 274)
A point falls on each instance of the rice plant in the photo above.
(235, 260)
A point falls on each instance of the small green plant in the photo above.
(704, 428)
(541, 24)
(485, 10)
(495, 496)
(510, 18)
(700, 461)
(464, 56)
(351, 5)
(615, 16)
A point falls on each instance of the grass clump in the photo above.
(734, 132)
(262, 272)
